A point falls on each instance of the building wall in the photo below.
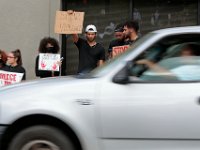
(23, 23)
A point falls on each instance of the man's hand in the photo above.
(101, 62)
(70, 11)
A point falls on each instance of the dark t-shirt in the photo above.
(17, 69)
(89, 56)
(131, 42)
(43, 73)
(2, 64)
(114, 43)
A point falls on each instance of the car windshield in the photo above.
(109, 65)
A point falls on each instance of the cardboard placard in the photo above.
(7, 78)
(117, 50)
(67, 23)
(49, 62)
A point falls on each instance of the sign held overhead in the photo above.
(69, 23)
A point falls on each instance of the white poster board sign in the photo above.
(49, 62)
(7, 78)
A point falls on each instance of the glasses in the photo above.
(10, 57)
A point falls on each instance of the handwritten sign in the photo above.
(7, 78)
(117, 50)
(49, 61)
(67, 23)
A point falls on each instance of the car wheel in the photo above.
(41, 138)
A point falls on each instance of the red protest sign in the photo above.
(117, 50)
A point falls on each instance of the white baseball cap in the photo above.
(90, 28)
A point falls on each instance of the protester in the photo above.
(47, 45)
(14, 63)
(91, 53)
(131, 29)
(118, 41)
(3, 59)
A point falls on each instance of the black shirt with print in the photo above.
(115, 43)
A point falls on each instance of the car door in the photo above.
(145, 115)
(150, 114)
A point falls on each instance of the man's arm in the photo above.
(151, 65)
(102, 57)
(37, 71)
(101, 62)
(75, 38)
(110, 51)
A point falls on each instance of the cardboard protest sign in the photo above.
(49, 61)
(67, 23)
(117, 50)
(7, 78)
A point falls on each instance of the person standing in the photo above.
(14, 63)
(131, 29)
(91, 53)
(47, 45)
(118, 41)
(3, 59)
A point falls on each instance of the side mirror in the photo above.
(122, 77)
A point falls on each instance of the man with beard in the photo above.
(118, 41)
(91, 53)
(131, 29)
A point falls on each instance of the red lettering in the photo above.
(7, 82)
(14, 77)
(119, 49)
(8, 77)
(2, 76)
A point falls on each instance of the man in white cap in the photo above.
(91, 53)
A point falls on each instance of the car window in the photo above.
(164, 62)
(174, 69)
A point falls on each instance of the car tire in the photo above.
(41, 137)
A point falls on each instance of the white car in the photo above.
(123, 105)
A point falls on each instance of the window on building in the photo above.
(157, 14)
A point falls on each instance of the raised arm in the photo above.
(75, 38)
